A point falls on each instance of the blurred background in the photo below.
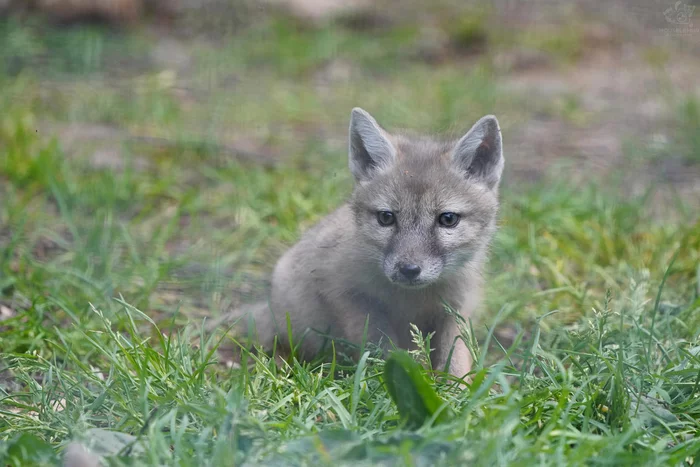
(169, 150)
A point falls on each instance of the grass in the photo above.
(689, 123)
(590, 337)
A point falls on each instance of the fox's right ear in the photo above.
(370, 148)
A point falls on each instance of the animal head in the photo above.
(426, 209)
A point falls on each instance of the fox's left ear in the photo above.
(479, 153)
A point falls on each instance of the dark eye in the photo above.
(448, 219)
(386, 218)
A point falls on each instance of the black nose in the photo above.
(409, 271)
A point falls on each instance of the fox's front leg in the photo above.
(378, 331)
(448, 339)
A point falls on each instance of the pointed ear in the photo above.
(479, 153)
(370, 148)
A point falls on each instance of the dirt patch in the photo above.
(320, 10)
(113, 148)
(616, 100)
(102, 145)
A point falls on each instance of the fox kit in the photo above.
(411, 240)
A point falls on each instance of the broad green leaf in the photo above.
(413, 395)
(27, 449)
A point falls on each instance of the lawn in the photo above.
(146, 187)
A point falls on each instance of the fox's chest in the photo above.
(423, 308)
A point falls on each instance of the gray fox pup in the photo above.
(412, 239)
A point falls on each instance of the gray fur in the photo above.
(345, 268)
(370, 149)
(480, 152)
(77, 455)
